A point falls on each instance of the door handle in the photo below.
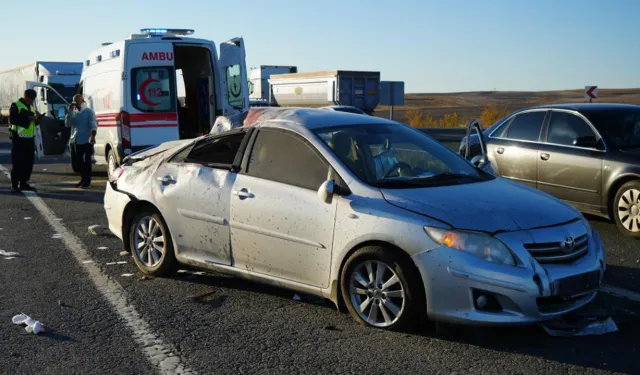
(544, 156)
(166, 180)
(242, 194)
(500, 150)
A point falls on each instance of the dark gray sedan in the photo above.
(585, 154)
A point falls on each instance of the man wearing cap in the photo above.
(22, 124)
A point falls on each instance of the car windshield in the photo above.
(619, 127)
(397, 156)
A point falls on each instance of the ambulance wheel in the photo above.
(112, 165)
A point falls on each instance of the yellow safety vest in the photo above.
(29, 132)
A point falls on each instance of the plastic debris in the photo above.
(32, 325)
(87, 261)
(9, 258)
(8, 253)
(126, 275)
(111, 263)
(182, 271)
(97, 230)
(145, 277)
(103, 248)
(296, 297)
(124, 253)
(28, 218)
(200, 296)
(121, 262)
(585, 326)
(56, 236)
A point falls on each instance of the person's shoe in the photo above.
(26, 187)
(79, 184)
(85, 186)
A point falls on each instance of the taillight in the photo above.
(124, 124)
(118, 173)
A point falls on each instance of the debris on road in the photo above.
(124, 253)
(200, 296)
(111, 263)
(145, 277)
(9, 258)
(97, 230)
(56, 236)
(27, 218)
(8, 253)
(32, 325)
(87, 261)
(126, 275)
(582, 324)
(103, 248)
(297, 297)
(121, 262)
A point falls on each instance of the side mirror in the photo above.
(326, 191)
(588, 142)
(478, 160)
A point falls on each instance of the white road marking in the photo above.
(160, 354)
(620, 292)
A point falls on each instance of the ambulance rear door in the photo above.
(151, 115)
(233, 71)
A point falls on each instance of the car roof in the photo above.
(587, 106)
(309, 118)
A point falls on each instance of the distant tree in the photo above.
(491, 114)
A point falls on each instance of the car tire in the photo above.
(626, 209)
(112, 165)
(406, 306)
(156, 257)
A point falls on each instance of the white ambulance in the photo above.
(158, 86)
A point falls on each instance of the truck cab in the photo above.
(161, 85)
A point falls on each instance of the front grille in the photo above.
(558, 252)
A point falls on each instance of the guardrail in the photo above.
(445, 134)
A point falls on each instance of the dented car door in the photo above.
(193, 191)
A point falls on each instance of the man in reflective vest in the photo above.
(22, 122)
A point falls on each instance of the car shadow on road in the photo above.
(609, 352)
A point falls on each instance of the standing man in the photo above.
(22, 124)
(82, 120)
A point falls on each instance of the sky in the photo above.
(433, 46)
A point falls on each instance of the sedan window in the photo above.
(526, 126)
(284, 157)
(216, 152)
(565, 129)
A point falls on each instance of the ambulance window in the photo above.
(234, 86)
(152, 89)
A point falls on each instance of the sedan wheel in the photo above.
(112, 165)
(377, 293)
(382, 288)
(627, 209)
(151, 244)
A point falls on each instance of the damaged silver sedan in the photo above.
(372, 214)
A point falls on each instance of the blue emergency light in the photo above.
(153, 31)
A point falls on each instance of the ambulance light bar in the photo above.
(153, 31)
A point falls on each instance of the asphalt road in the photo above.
(98, 319)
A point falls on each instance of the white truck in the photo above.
(55, 82)
(259, 82)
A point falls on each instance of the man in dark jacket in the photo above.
(22, 122)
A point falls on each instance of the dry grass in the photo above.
(457, 109)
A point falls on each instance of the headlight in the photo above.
(481, 245)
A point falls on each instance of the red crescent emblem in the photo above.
(143, 88)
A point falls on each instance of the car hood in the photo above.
(490, 206)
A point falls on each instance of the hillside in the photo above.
(470, 105)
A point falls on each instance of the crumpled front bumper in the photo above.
(454, 281)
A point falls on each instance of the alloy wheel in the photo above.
(629, 210)
(149, 241)
(377, 293)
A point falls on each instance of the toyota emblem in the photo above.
(567, 244)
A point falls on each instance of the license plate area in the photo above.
(578, 284)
